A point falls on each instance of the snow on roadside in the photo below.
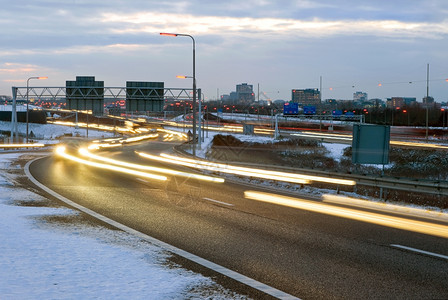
(49, 133)
(336, 150)
(40, 259)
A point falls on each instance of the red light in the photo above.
(168, 34)
(405, 111)
(379, 84)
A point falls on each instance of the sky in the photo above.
(380, 47)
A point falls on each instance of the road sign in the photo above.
(291, 108)
(370, 144)
(309, 110)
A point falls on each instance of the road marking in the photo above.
(142, 180)
(199, 260)
(419, 251)
(216, 201)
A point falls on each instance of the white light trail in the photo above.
(368, 217)
(85, 152)
(60, 150)
(250, 172)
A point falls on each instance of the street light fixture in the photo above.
(194, 83)
(27, 92)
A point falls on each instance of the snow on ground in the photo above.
(336, 150)
(40, 259)
(49, 133)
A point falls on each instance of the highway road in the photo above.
(303, 252)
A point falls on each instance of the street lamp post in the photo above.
(194, 83)
(194, 112)
(27, 92)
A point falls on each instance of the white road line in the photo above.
(216, 201)
(199, 260)
(142, 180)
(420, 251)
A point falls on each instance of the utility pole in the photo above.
(426, 101)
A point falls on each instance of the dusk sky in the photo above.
(281, 45)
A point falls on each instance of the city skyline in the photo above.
(380, 49)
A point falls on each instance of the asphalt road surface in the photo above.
(306, 254)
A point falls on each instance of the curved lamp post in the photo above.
(27, 92)
(194, 83)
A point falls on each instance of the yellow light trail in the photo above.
(332, 136)
(60, 150)
(348, 213)
(179, 134)
(250, 172)
(382, 206)
(21, 145)
(85, 152)
(284, 175)
(211, 167)
(418, 145)
(347, 137)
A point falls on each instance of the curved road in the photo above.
(306, 254)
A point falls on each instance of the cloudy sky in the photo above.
(354, 45)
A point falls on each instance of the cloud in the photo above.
(287, 28)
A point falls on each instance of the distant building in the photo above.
(85, 93)
(395, 102)
(430, 103)
(245, 93)
(360, 97)
(306, 97)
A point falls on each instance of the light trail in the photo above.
(21, 145)
(60, 150)
(323, 136)
(348, 213)
(278, 174)
(418, 145)
(214, 168)
(387, 207)
(86, 153)
(250, 172)
(347, 137)
(173, 132)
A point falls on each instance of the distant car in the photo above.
(72, 144)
